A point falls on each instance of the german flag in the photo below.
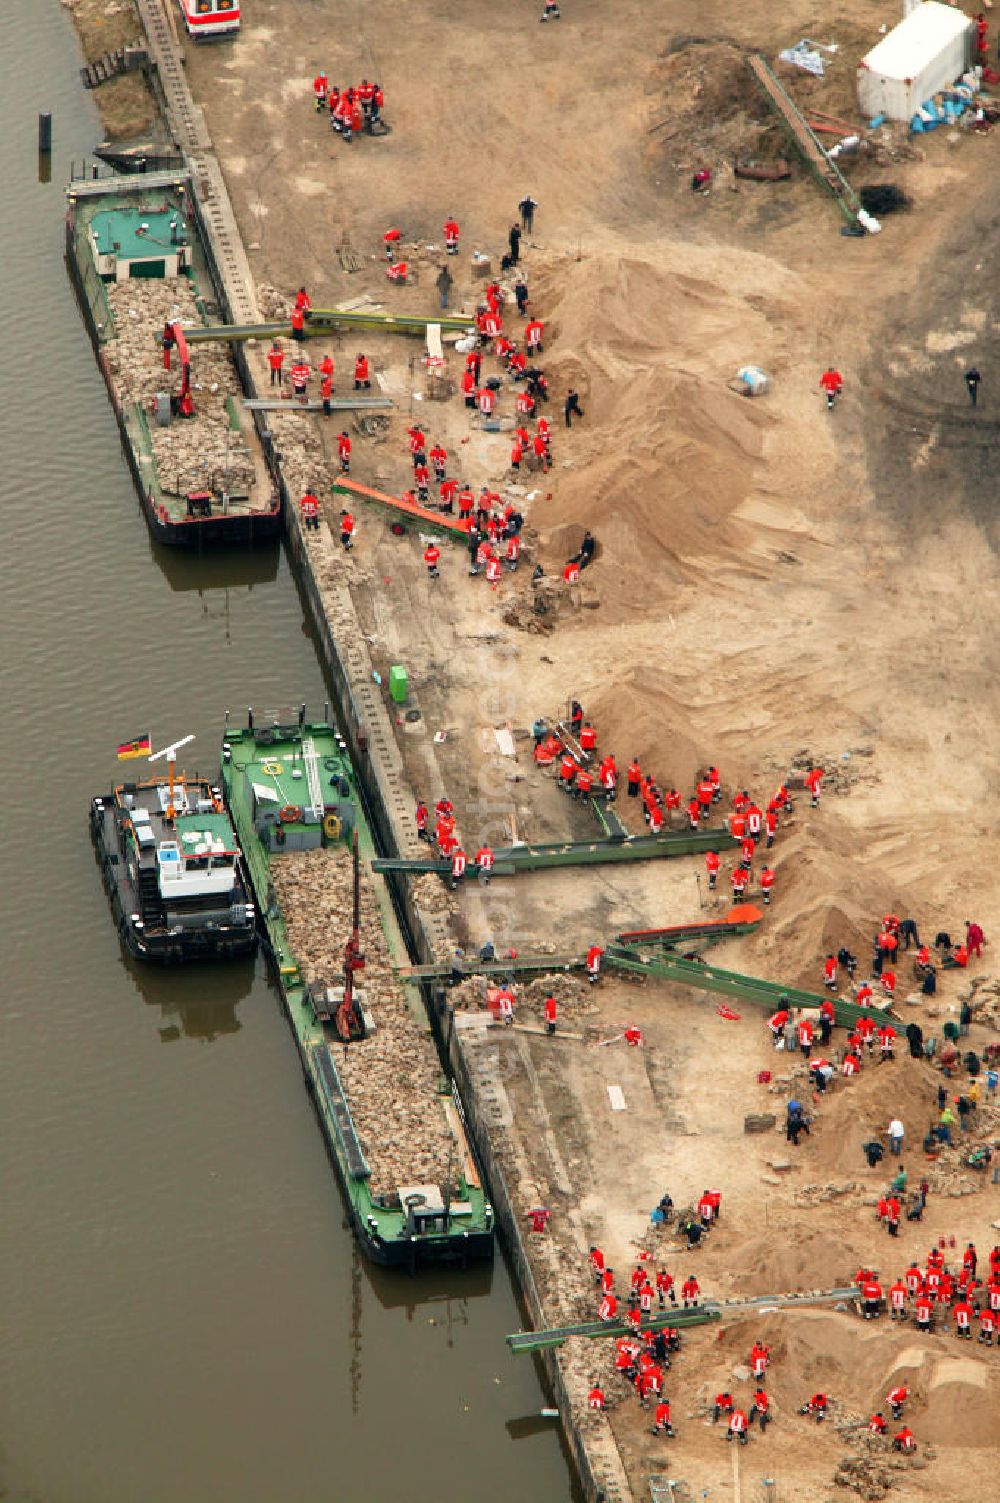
(140, 746)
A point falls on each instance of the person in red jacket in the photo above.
(432, 557)
(438, 458)
(661, 1419)
(276, 359)
(897, 1300)
(877, 1425)
(871, 1299)
(309, 507)
(298, 322)
(813, 780)
(594, 964)
(422, 481)
(761, 1409)
(816, 1406)
(904, 1441)
(451, 234)
(830, 973)
(962, 1312)
(738, 1427)
(534, 331)
(595, 1398)
(608, 1308)
(344, 453)
(896, 1398)
(347, 530)
(723, 1405)
(712, 864)
(766, 883)
(422, 817)
(832, 383)
(362, 376)
(923, 1312)
(690, 1289)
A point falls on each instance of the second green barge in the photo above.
(393, 1123)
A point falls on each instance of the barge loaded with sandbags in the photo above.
(393, 1122)
(142, 273)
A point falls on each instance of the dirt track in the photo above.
(772, 582)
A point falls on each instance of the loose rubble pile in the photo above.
(391, 1078)
(190, 452)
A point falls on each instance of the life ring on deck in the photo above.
(291, 814)
(332, 826)
(272, 768)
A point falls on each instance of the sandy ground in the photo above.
(773, 585)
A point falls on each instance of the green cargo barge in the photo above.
(393, 1124)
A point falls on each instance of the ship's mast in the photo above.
(170, 752)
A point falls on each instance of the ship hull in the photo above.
(170, 947)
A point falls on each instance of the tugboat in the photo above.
(172, 866)
(137, 257)
(394, 1126)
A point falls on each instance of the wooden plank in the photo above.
(457, 1127)
(434, 347)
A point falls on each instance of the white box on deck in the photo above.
(927, 51)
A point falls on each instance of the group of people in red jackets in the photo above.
(350, 110)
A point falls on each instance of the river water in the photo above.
(182, 1314)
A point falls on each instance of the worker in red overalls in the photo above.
(422, 817)
(344, 453)
(361, 373)
(451, 233)
(309, 507)
(832, 383)
(276, 359)
(432, 557)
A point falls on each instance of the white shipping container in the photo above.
(928, 51)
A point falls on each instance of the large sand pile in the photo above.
(668, 453)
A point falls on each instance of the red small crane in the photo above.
(350, 1024)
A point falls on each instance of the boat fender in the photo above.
(291, 814)
(332, 826)
(279, 835)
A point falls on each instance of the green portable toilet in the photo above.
(398, 684)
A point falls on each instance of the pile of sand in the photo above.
(667, 453)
